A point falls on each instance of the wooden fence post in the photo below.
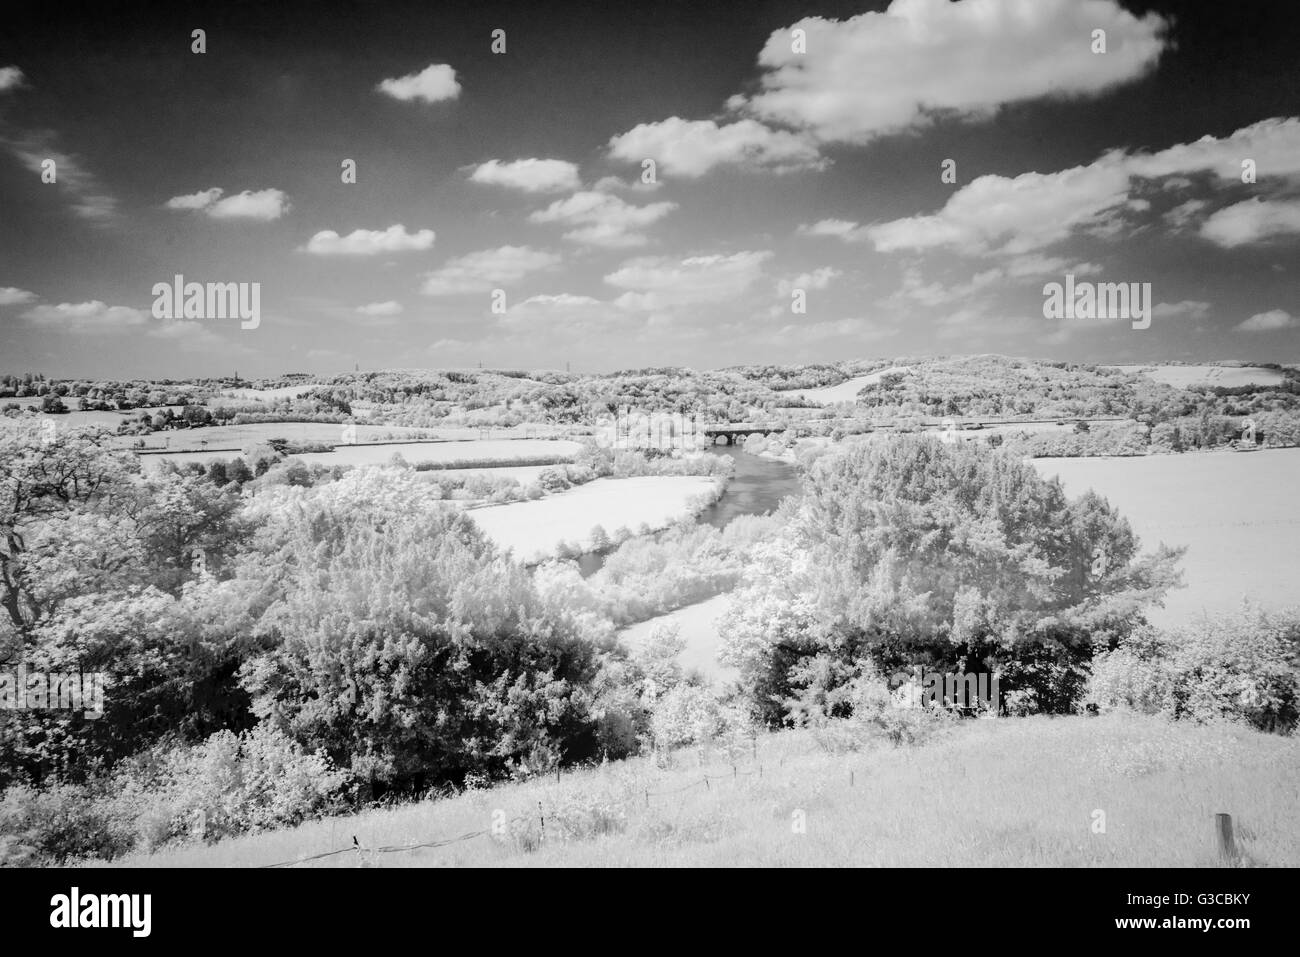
(1227, 845)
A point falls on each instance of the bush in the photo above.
(229, 784)
(1239, 667)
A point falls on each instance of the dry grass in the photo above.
(987, 793)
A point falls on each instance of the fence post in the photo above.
(1227, 845)
(542, 815)
(850, 777)
(733, 772)
(557, 774)
(706, 783)
(647, 797)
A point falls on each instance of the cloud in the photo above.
(10, 78)
(1012, 215)
(1186, 308)
(487, 269)
(1269, 321)
(602, 219)
(862, 330)
(819, 278)
(265, 204)
(89, 198)
(432, 84)
(843, 229)
(660, 282)
(1000, 214)
(881, 73)
(529, 175)
(95, 318)
(369, 242)
(87, 318)
(691, 148)
(200, 200)
(1252, 221)
(563, 314)
(1274, 145)
(389, 308)
(13, 296)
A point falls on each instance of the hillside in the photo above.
(1009, 792)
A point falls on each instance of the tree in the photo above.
(45, 479)
(953, 557)
(402, 643)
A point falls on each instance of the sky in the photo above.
(633, 184)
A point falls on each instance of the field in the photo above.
(698, 629)
(1002, 793)
(847, 390)
(1227, 376)
(1239, 513)
(532, 529)
(242, 396)
(504, 450)
(369, 450)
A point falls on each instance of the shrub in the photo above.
(1239, 666)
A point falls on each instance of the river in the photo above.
(757, 486)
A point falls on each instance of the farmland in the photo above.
(533, 529)
(1183, 377)
(1239, 515)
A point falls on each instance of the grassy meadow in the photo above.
(1005, 792)
(1238, 514)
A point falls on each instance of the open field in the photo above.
(260, 395)
(847, 390)
(698, 628)
(1238, 513)
(1227, 376)
(369, 451)
(1001, 793)
(473, 450)
(532, 529)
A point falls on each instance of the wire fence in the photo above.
(356, 847)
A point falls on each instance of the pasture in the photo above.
(697, 626)
(1182, 377)
(1009, 792)
(847, 390)
(533, 529)
(1238, 513)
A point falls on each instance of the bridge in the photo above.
(736, 432)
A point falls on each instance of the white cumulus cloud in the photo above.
(370, 242)
(529, 175)
(487, 269)
(432, 84)
(880, 73)
(691, 148)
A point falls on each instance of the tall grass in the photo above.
(1008, 792)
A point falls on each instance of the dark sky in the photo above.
(779, 174)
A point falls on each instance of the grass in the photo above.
(533, 529)
(1011, 792)
(1182, 377)
(1238, 515)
